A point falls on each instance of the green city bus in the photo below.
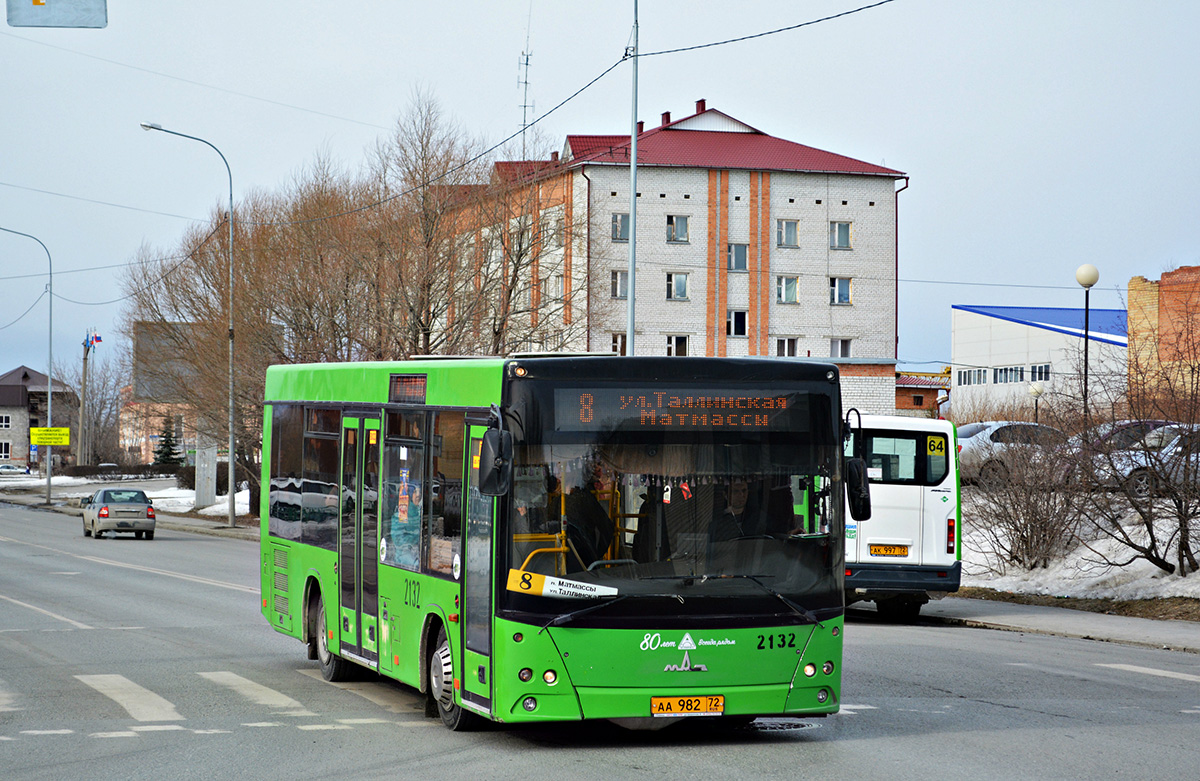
(564, 537)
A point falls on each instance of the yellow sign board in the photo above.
(49, 436)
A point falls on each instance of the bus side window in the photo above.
(447, 458)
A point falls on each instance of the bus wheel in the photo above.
(333, 667)
(441, 687)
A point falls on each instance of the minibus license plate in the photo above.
(889, 550)
(701, 705)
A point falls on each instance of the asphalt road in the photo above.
(123, 658)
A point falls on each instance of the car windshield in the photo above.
(970, 430)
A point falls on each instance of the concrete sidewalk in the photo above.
(1038, 619)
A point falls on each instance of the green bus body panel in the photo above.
(449, 383)
(604, 673)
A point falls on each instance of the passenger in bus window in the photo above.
(406, 529)
(589, 529)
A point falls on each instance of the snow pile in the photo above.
(241, 504)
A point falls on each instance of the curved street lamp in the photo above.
(231, 485)
(49, 359)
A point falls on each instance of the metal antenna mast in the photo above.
(523, 81)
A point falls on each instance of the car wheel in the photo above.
(137, 535)
(1140, 485)
(333, 667)
(86, 531)
(149, 535)
(441, 687)
(97, 533)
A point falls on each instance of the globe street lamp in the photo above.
(230, 473)
(1086, 275)
(1036, 389)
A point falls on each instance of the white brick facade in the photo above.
(813, 200)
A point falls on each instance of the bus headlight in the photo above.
(529, 703)
(822, 696)
(810, 669)
(550, 677)
(827, 668)
(526, 675)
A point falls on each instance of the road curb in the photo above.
(976, 623)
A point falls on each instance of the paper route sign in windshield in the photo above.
(546, 586)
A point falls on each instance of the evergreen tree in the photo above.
(166, 453)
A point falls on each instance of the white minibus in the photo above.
(910, 550)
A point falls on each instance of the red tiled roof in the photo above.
(903, 381)
(756, 151)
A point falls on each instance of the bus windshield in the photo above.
(728, 509)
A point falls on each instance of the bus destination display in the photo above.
(633, 408)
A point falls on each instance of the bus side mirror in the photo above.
(495, 462)
(858, 492)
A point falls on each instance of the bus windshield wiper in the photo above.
(807, 614)
(566, 618)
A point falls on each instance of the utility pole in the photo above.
(632, 51)
(85, 433)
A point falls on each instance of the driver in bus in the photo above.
(739, 518)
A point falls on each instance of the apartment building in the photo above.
(747, 245)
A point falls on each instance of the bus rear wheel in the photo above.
(441, 687)
(333, 667)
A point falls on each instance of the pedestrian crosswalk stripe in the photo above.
(142, 704)
(278, 702)
(323, 726)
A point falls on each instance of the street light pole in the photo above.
(229, 461)
(1035, 390)
(1086, 275)
(49, 360)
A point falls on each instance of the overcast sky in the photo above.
(1038, 135)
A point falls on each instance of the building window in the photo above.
(787, 290)
(786, 347)
(620, 227)
(787, 233)
(559, 289)
(677, 346)
(5, 421)
(5, 450)
(735, 322)
(839, 235)
(972, 376)
(839, 348)
(618, 344)
(677, 287)
(1007, 374)
(620, 284)
(737, 255)
(918, 400)
(677, 228)
(839, 290)
(1039, 373)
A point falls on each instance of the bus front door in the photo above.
(477, 590)
(358, 563)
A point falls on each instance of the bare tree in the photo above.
(108, 372)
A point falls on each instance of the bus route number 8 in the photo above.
(585, 407)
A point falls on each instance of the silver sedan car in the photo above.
(118, 510)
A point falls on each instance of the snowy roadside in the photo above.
(1082, 573)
